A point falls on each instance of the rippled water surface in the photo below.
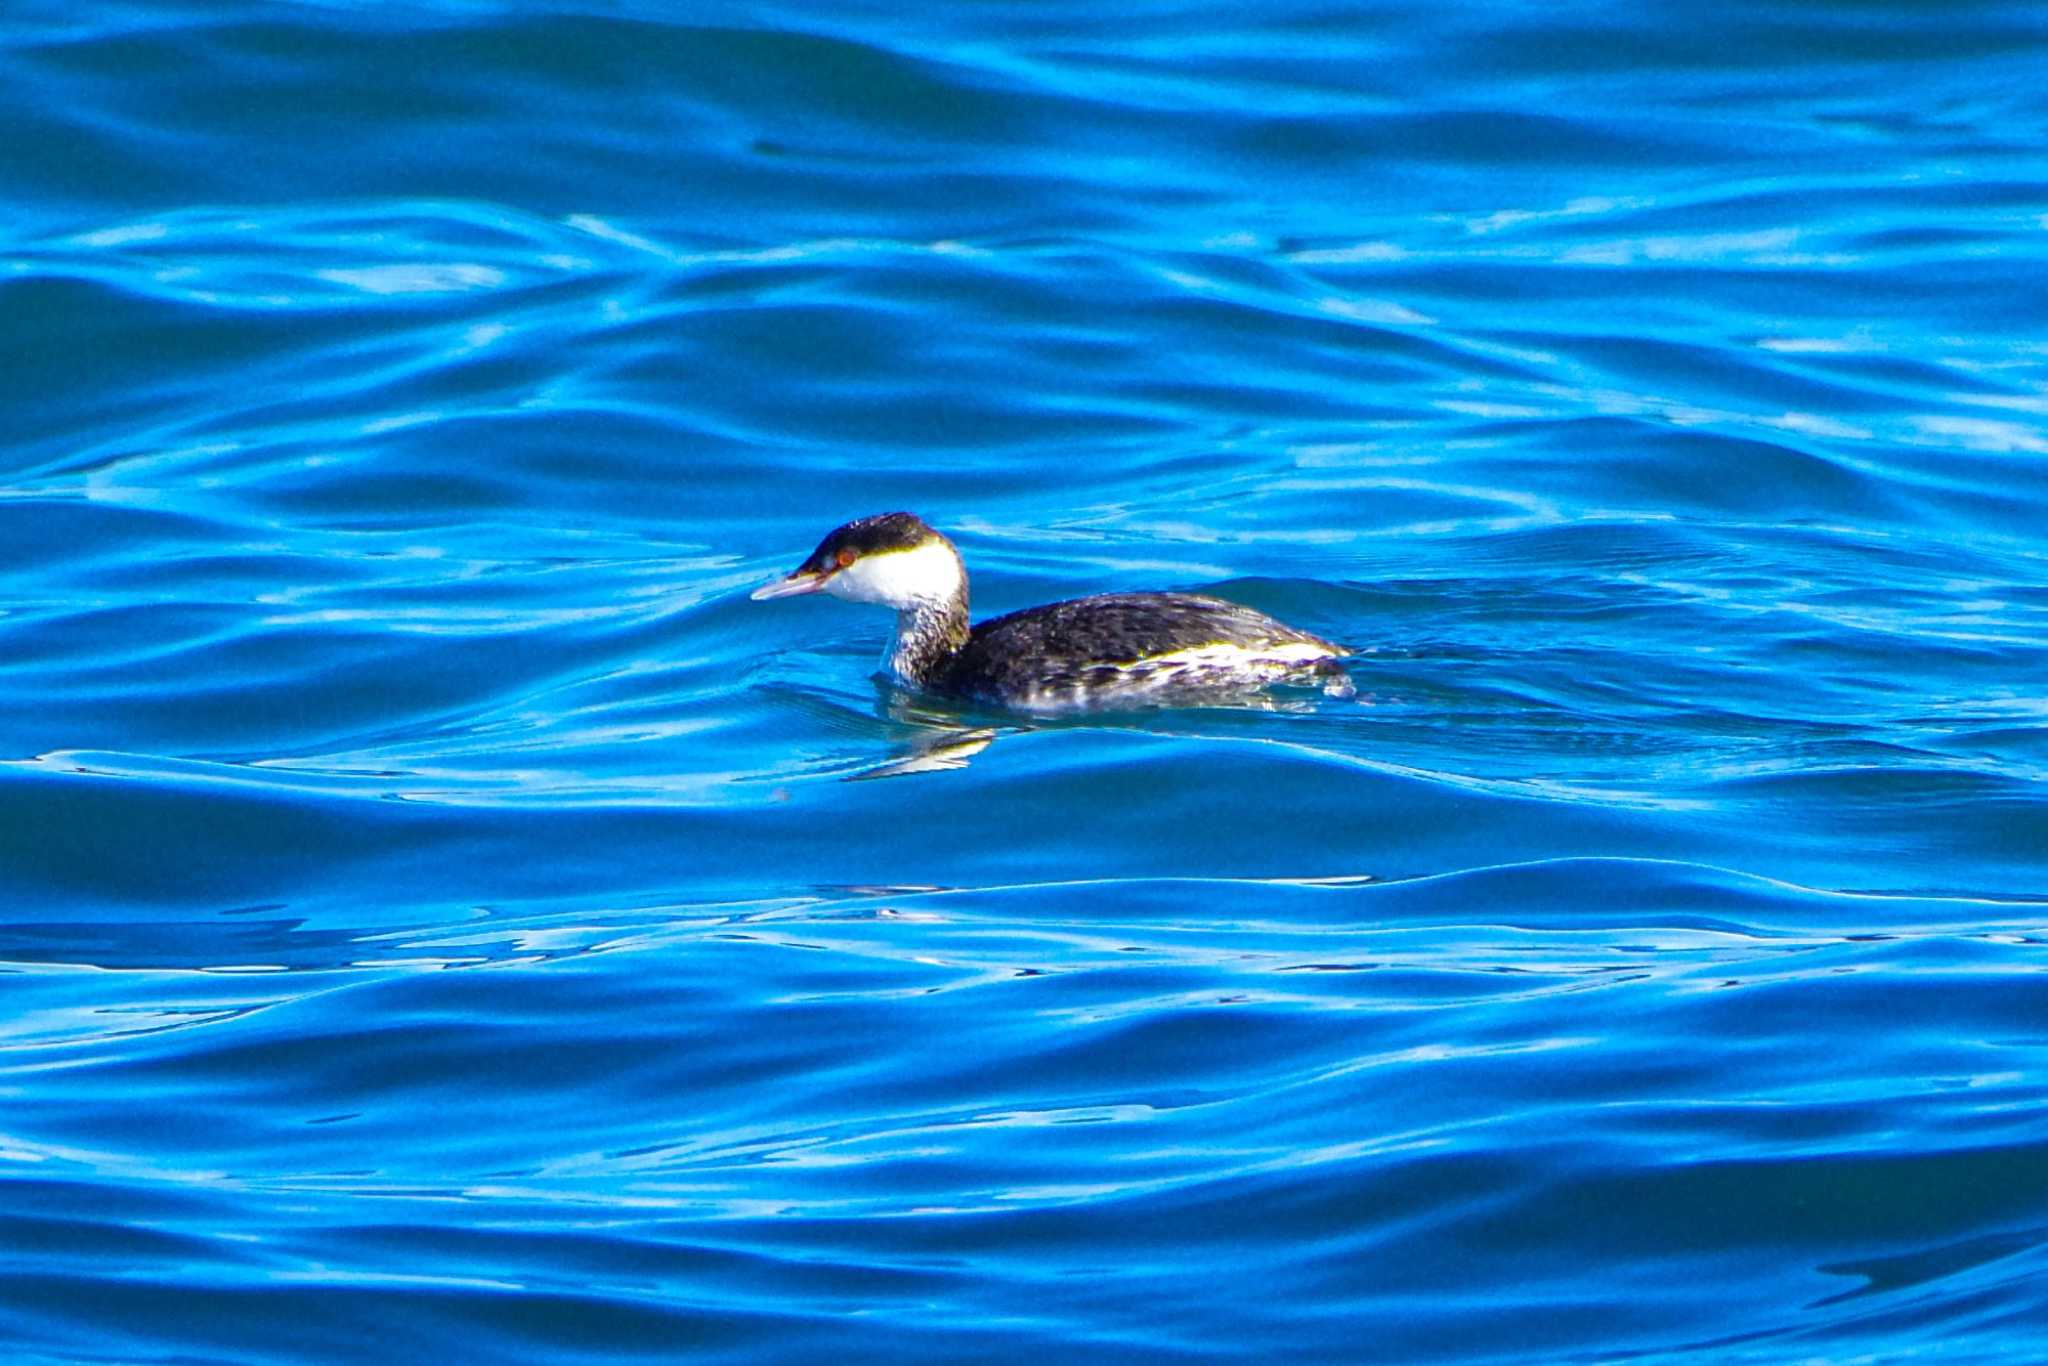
(435, 916)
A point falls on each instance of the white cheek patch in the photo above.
(897, 578)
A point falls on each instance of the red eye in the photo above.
(846, 556)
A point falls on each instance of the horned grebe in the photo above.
(1109, 650)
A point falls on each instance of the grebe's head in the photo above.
(893, 559)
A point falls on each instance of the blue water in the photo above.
(437, 925)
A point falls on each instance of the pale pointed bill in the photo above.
(793, 586)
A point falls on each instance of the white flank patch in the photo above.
(1237, 656)
(929, 572)
(1227, 668)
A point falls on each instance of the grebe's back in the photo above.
(1137, 649)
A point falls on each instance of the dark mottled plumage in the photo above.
(1105, 640)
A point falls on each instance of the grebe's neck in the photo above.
(929, 633)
